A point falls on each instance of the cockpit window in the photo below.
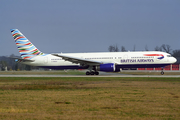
(169, 56)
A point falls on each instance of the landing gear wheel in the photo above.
(96, 73)
(92, 73)
(162, 73)
(87, 73)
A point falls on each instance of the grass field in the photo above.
(90, 98)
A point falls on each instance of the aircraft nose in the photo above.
(174, 60)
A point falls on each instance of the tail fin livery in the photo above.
(25, 47)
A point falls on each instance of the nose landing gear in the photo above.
(162, 72)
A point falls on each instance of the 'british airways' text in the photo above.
(136, 60)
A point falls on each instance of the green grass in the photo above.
(89, 98)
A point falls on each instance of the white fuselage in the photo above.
(121, 59)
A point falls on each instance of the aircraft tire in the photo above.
(92, 73)
(87, 73)
(96, 73)
(162, 73)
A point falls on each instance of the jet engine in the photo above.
(108, 67)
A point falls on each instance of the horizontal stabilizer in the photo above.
(22, 60)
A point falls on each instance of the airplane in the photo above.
(93, 62)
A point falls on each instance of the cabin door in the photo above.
(46, 60)
(125, 56)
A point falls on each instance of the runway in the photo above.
(64, 74)
(161, 76)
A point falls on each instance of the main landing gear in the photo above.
(92, 73)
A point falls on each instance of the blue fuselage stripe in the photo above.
(117, 66)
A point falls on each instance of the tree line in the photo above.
(164, 48)
(9, 63)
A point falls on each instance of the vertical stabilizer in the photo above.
(25, 47)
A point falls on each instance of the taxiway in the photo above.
(165, 76)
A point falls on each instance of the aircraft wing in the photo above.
(76, 60)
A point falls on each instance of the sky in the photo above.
(70, 26)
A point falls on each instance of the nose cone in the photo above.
(173, 59)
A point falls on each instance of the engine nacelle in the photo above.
(109, 67)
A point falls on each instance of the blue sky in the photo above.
(90, 25)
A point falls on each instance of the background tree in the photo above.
(113, 48)
(157, 48)
(146, 48)
(123, 49)
(166, 48)
(134, 48)
(3, 65)
(176, 53)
